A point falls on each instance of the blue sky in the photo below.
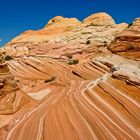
(17, 16)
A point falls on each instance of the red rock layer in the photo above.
(127, 43)
(75, 88)
(11, 98)
(81, 102)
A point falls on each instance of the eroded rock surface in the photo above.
(129, 73)
(95, 31)
(83, 101)
(11, 98)
(75, 88)
(127, 43)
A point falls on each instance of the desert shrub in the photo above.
(88, 42)
(130, 24)
(105, 43)
(73, 61)
(130, 47)
(8, 58)
(50, 80)
(113, 69)
(17, 81)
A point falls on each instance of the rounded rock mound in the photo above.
(59, 20)
(99, 19)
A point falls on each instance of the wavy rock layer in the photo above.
(75, 88)
(83, 101)
(127, 43)
(11, 98)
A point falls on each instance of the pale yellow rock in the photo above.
(96, 30)
(100, 19)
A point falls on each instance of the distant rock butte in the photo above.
(72, 80)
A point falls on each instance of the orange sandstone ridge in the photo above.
(127, 43)
(97, 29)
(72, 80)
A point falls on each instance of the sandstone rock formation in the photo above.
(131, 74)
(96, 30)
(99, 19)
(83, 101)
(11, 98)
(70, 86)
(127, 43)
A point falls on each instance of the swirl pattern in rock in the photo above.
(74, 88)
(11, 98)
(83, 101)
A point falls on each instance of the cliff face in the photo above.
(69, 85)
(127, 43)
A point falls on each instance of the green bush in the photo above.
(114, 69)
(17, 81)
(49, 80)
(130, 24)
(8, 58)
(73, 61)
(130, 47)
(88, 42)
